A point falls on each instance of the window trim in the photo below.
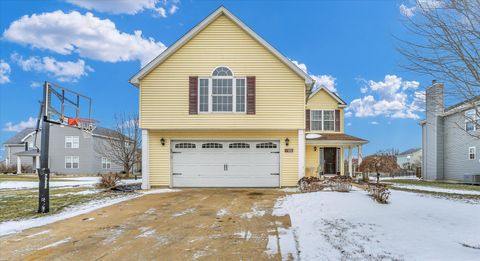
(72, 161)
(473, 120)
(322, 122)
(72, 138)
(108, 163)
(474, 153)
(234, 93)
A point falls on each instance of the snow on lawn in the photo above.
(10, 227)
(351, 226)
(441, 190)
(69, 182)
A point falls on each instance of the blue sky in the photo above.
(92, 47)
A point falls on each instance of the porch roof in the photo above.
(334, 138)
(31, 152)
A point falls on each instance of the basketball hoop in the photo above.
(87, 125)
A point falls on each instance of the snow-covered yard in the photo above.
(351, 226)
(59, 182)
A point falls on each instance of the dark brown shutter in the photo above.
(251, 99)
(307, 120)
(337, 120)
(193, 95)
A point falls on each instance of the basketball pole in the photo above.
(44, 171)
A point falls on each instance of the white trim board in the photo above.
(135, 80)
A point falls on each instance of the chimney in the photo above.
(432, 141)
(434, 99)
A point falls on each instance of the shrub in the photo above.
(310, 184)
(8, 169)
(379, 192)
(108, 181)
(340, 183)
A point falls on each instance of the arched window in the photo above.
(222, 72)
(212, 145)
(239, 145)
(185, 145)
(266, 145)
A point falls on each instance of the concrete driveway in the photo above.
(192, 224)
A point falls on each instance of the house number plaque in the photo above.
(288, 150)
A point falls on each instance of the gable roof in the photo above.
(135, 80)
(410, 151)
(19, 136)
(332, 94)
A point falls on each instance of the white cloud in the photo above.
(349, 124)
(407, 11)
(161, 12)
(348, 114)
(87, 35)
(63, 71)
(30, 123)
(374, 122)
(326, 81)
(4, 72)
(423, 5)
(35, 84)
(130, 7)
(173, 9)
(391, 97)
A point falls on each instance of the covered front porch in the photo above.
(28, 157)
(325, 154)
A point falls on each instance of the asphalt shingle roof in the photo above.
(17, 138)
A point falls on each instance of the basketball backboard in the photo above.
(67, 107)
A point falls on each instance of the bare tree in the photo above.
(446, 46)
(381, 162)
(123, 143)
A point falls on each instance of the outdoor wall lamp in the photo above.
(287, 141)
(162, 141)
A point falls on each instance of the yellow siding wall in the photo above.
(280, 92)
(159, 167)
(312, 158)
(323, 101)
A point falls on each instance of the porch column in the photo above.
(145, 159)
(350, 156)
(19, 165)
(360, 158)
(301, 153)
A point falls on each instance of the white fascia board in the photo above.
(135, 80)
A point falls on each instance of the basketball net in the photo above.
(86, 125)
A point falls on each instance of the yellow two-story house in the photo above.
(222, 108)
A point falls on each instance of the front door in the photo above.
(330, 159)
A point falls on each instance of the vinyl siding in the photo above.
(323, 101)
(457, 142)
(280, 92)
(160, 165)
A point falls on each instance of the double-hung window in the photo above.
(322, 120)
(106, 164)
(472, 153)
(72, 142)
(472, 120)
(72, 162)
(222, 92)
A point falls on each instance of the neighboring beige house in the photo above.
(410, 159)
(222, 108)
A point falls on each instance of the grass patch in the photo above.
(434, 184)
(4, 177)
(21, 204)
(440, 194)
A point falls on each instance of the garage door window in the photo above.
(212, 145)
(185, 146)
(239, 145)
(266, 145)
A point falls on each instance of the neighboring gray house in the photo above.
(410, 159)
(72, 151)
(450, 148)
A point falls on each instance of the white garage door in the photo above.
(226, 163)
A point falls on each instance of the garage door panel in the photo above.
(226, 165)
